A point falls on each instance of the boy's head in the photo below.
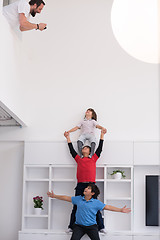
(86, 150)
(91, 190)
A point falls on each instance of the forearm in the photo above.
(72, 151)
(99, 149)
(73, 129)
(25, 25)
(62, 197)
(112, 208)
(68, 139)
(22, 29)
(102, 136)
(99, 127)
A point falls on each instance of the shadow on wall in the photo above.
(14, 31)
(10, 51)
(5, 2)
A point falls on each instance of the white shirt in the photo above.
(12, 11)
(87, 126)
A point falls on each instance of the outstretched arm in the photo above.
(60, 197)
(115, 209)
(73, 129)
(70, 145)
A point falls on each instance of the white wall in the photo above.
(75, 64)
(10, 43)
(11, 172)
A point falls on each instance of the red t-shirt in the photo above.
(86, 168)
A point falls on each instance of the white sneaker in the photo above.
(103, 230)
(69, 230)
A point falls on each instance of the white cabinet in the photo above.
(44, 236)
(33, 236)
(47, 153)
(38, 179)
(49, 166)
(139, 197)
(117, 153)
(36, 182)
(146, 153)
(119, 193)
(146, 237)
(118, 237)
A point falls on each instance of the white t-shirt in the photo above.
(87, 126)
(11, 12)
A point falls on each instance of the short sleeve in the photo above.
(100, 205)
(24, 7)
(95, 123)
(79, 125)
(76, 199)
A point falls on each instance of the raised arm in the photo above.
(70, 145)
(115, 209)
(60, 197)
(99, 149)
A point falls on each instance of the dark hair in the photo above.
(38, 2)
(94, 189)
(87, 147)
(94, 115)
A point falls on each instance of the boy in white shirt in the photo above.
(18, 14)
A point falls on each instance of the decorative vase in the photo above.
(37, 211)
(118, 175)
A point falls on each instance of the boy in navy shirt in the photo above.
(87, 208)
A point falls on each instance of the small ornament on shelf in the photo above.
(38, 204)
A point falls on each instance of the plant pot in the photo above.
(117, 176)
(37, 211)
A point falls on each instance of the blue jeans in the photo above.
(79, 191)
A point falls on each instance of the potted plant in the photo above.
(118, 174)
(38, 204)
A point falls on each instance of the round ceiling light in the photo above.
(136, 27)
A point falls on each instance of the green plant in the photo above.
(116, 171)
(38, 202)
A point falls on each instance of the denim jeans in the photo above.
(79, 191)
(79, 231)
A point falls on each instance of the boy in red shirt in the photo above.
(86, 173)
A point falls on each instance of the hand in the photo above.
(51, 194)
(104, 130)
(125, 210)
(42, 26)
(66, 134)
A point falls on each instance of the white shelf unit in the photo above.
(119, 193)
(35, 182)
(38, 179)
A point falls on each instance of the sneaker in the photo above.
(103, 230)
(69, 230)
